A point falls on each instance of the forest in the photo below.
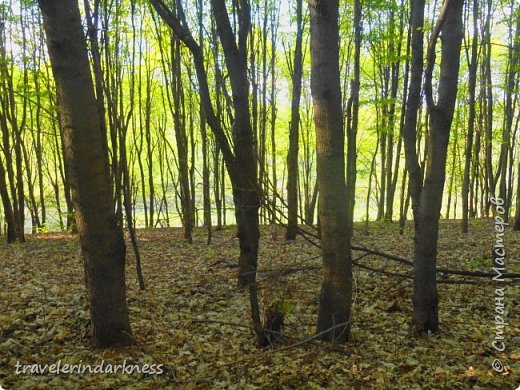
(260, 194)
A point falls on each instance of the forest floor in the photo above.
(195, 321)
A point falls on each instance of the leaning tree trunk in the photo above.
(240, 160)
(425, 298)
(336, 290)
(102, 243)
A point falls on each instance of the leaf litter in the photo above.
(194, 320)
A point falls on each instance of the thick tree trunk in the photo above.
(101, 239)
(336, 290)
(425, 299)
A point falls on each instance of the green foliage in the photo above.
(135, 53)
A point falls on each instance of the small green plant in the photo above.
(478, 262)
(42, 229)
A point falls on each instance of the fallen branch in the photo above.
(380, 271)
(402, 260)
(409, 276)
(376, 252)
(328, 346)
(228, 263)
(309, 339)
(207, 321)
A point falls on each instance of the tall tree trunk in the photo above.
(395, 68)
(267, 66)
(410, 127)
(488, 104)
(181, 139)
(203, 133)
(336, 289)
(292, 156)
(472, 70)
(353, 120)
(240, 161)
(11, 130)
(274, 179)
(425, 298)
(102, 243)
(511, 83)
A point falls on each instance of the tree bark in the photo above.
(413, 103)
(7, 206)
(516, 225)
(101, 238)
(425, 298)
(336, 290)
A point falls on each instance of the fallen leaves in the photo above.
(193, 319)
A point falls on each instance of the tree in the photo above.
(8, 208)
(505, 161)
(473, 65)
(427, 194)
(352, 119)
(12, 123)
(241, 162)
(506, 151)
(516, 226)
(181, 139)
(292, 156)
(205, 147)
(102, 242)
(336, 289)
